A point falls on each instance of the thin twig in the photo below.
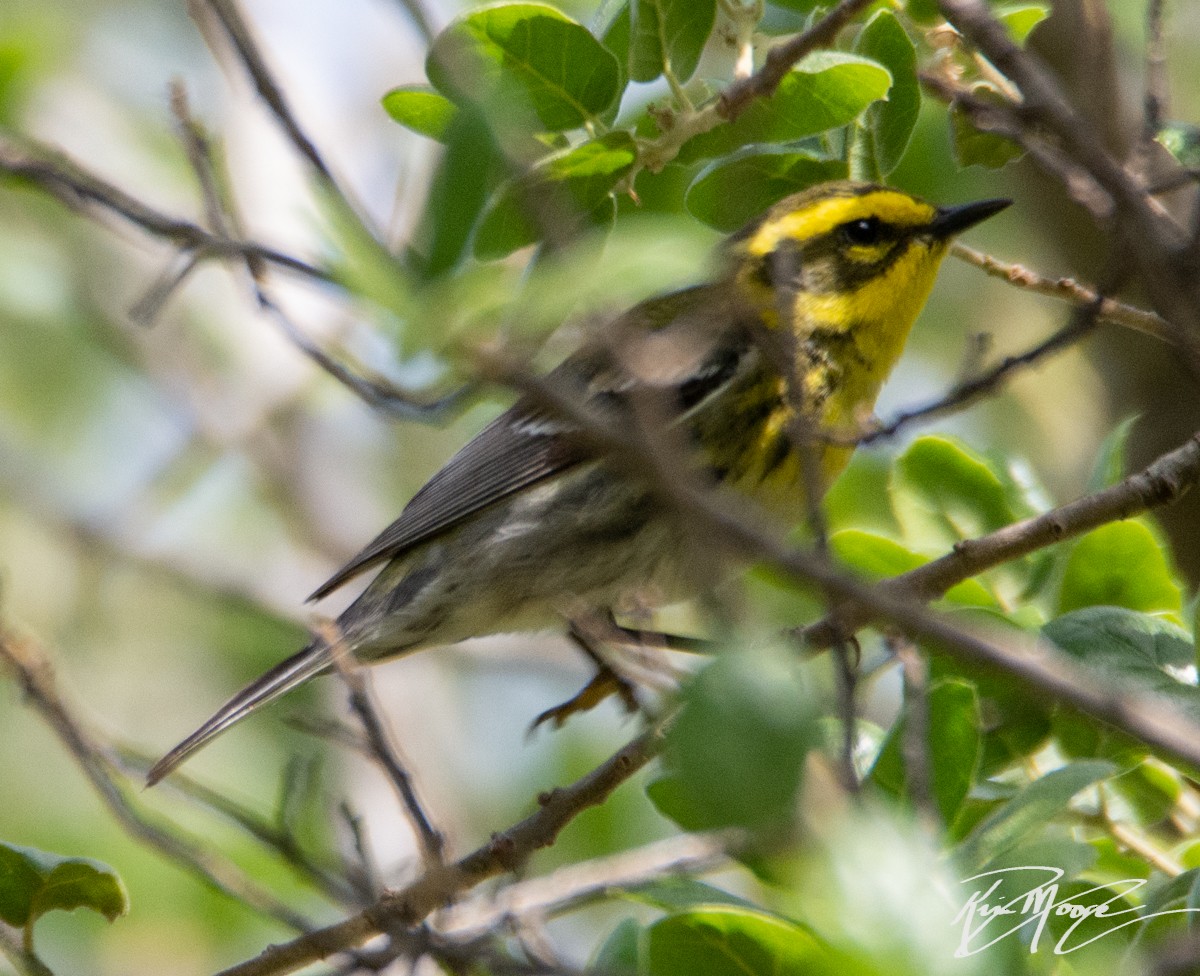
(655, 154)
(366, 879)
(382, 751)
(199, 153)
(914, 744)
(76, 187)
(1067, 290)
(239, 33)
(1134, 841)
(148, 308)
(25, 963)
(780, 60)
(376, 392)
(280, 841)
(1082, 322)
(421, 19)
(1155, 99)
(575, 885)
(33, 671)
(504, 852)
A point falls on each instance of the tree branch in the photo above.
(380, 747)
(730, 524)
(34, 673)
(74, 186)
(1067, 290)
(656, 153)
(1161, 483)
(506, 851)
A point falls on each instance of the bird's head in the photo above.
(848, 256)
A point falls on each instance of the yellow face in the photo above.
(851, 259)
(848, 267)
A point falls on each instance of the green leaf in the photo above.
(1122, 640)
(1181, 140)
(34, 882)
(559, 192)
(731, 191)
(1110, 460)
(803, 6)
(620, 953)
(1034, 806)
(1179, 899)
(617, 37)
(924, 11)
(735, 754)
(974, 147)
(1021, 19)
(729, 941)
(1132, 650)
(1151, 789)
(1021, 868)
(953, 748)
(421, 109)
(891, 123)
(525, 55)
(879, 557)
(873, 555)
(1075, 932)
(1181, 891)
(674, 893)
(826, 90)
(942, 493)
(859, 498)
(469, 170)
(1113, 863)
(669, 33)
(1122, 565)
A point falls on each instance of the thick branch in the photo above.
(728, 524)
(1162, 483)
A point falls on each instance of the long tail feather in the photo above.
(297, 669)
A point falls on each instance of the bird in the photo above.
(528, 524)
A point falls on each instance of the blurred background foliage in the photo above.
(169, 491)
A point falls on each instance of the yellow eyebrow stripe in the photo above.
(820, 218)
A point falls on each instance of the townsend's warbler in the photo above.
(524, 526)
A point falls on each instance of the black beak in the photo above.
(954, 220)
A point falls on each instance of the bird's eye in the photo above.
(867, 230)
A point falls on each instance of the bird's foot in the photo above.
(604, 684)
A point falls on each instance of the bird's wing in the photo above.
(526, 444)
(516, 450)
